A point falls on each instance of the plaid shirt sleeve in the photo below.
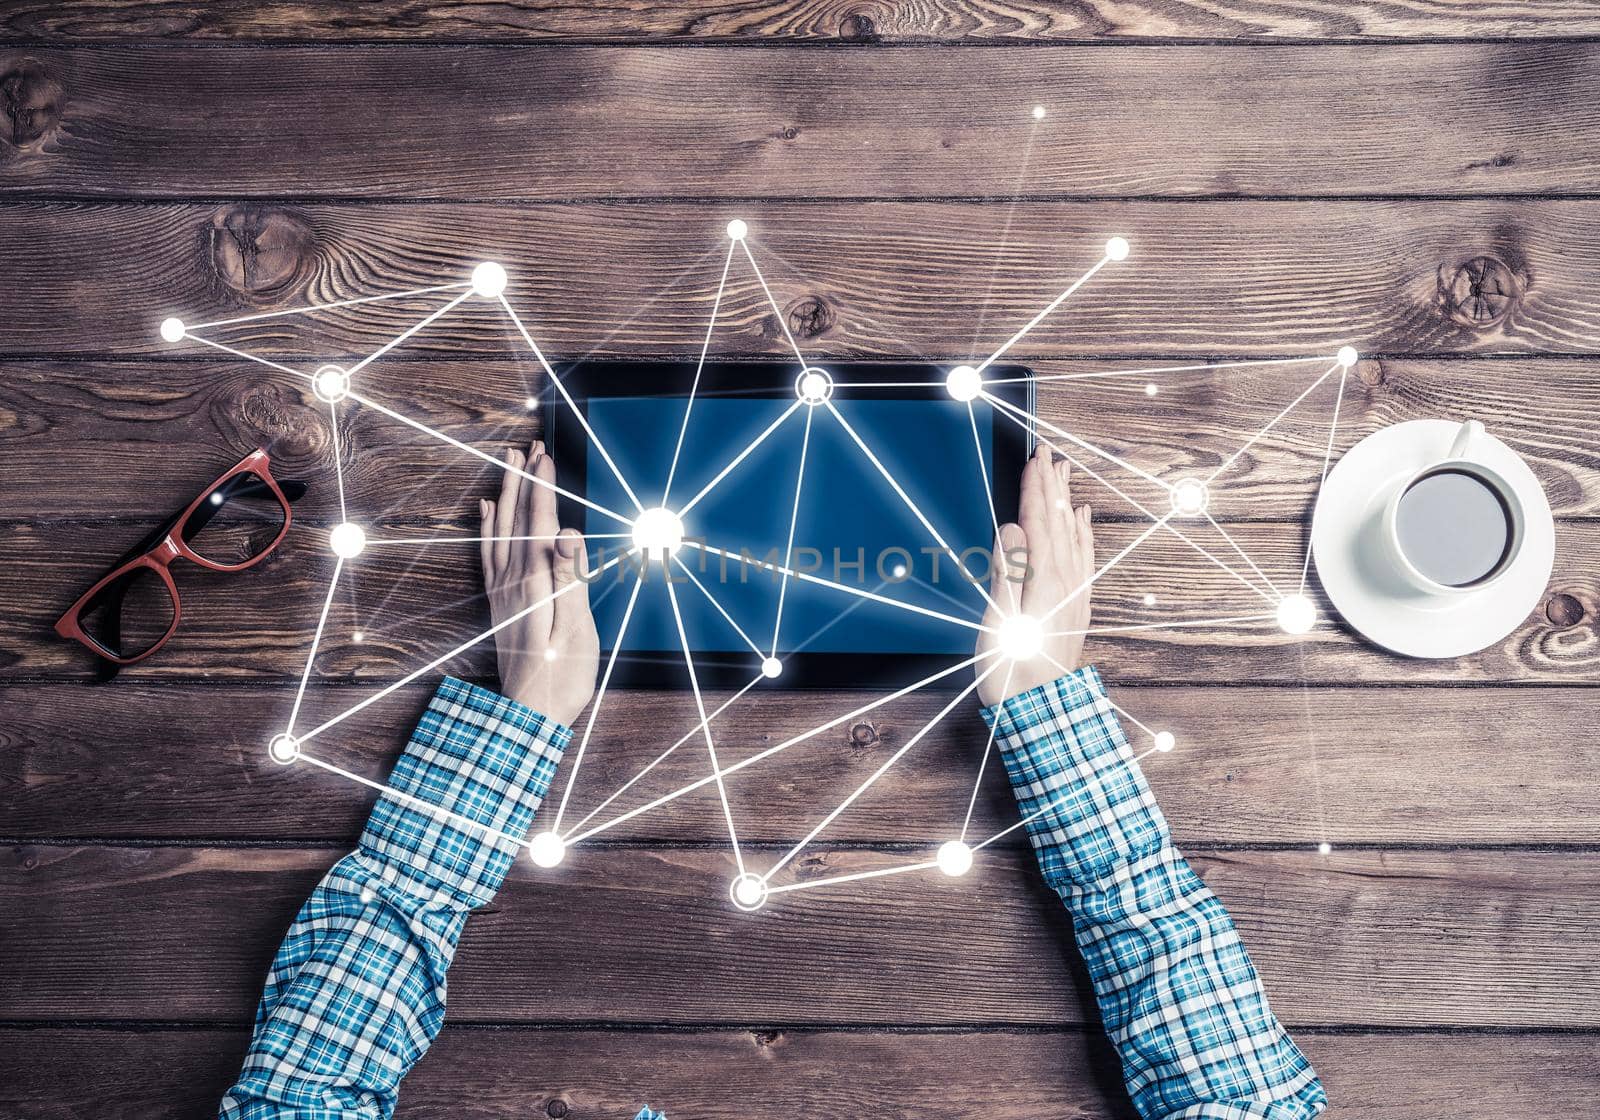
(1177, 992)
(357, 991)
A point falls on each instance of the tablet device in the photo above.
(881, 603)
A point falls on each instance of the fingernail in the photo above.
(483, 509)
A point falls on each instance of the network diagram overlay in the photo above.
(655, 535)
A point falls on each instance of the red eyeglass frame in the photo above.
(172, 546)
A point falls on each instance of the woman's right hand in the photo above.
(1042, 569)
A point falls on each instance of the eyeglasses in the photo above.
(133, 610)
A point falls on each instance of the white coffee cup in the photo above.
(1456, 525)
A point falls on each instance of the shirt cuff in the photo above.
(485, 759)
(1084, 800)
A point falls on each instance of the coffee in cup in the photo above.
(1455, 525)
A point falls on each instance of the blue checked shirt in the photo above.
(1177, 992)
(357, 991)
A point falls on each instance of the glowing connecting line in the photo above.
(656, 536)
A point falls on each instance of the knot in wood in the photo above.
(259, 251)
(812, 865)
(858, 27)
(863, 734)
(1563, 610)
(270, 414)
(767, 1038)
(790, 133)
(809, 317)
(556, 1108)
(1481, 292)
(30, 104)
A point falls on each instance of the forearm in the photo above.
(1177, 992)
(357, 991)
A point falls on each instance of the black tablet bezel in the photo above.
(671, 378)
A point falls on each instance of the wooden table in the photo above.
(1421, 180)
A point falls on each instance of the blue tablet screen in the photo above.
(852, 527)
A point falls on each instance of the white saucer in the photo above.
(1372, 597)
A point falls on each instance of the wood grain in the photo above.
(1254, 766)
(1262, 279)
(732, 123)
(792, 21)
(414, 604)
(126, 417)
(1378, 938)
(76, 1074)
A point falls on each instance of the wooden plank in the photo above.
(1263, 279)
(123, 418)
(1461, 938)
(792, 21)
(732, 123)
(62, 1073)
(413, 604)
(1255, 765)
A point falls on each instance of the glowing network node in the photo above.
(531, 403)
(1151, 389)
(737, 229)
(550, 654)
(172, 330)
(1296, 614)
(1347, 356)
(954, 857)
(367, 894)
(771, 668)
(964, 383)
(898, 571)
(331, 384)
(488, 280)
(358, 637)
(1324, 848)
(749, 892)
(347, 540)
(1190, 497)
(1038, 112)
(658, 533)
(547, 849)
(1020, 637)
(814, 385)
(283, 749)
(1117, 248)
(1149, 599)
(1165, 741)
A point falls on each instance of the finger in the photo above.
(520, 516)
(1086, 548)
(505, 510)
(542, 522)
(486, 546)
(1034, 513)
(1011, 550)
(1063, 548)
(572, 607)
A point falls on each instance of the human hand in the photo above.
(549, 656)
(1059, 546)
